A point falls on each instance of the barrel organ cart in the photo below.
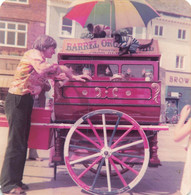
(105, 129)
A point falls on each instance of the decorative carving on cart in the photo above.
(85, 92)
(128, 93)
(114, 91)
(106, 91)
(103, 46)
(97, 89)
(156, 86)
(103, 92)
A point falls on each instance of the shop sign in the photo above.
(7, 64)
(104, 46)
(178, 79)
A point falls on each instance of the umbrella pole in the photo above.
(110, 16)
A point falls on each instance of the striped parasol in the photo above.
(116, 14)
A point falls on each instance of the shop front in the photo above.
(5, 81)
(8, 65)
(178, 93)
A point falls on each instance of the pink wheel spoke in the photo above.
(86, 137)
(125, 165)
(118, 172)
(125, 134)
(86, 148)
(86, 170)
(95, 132)
(128, 155)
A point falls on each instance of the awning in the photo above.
(5, 81)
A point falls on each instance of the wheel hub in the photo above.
(106, 152)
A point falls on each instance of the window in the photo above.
(181, 34)
(138, 72)
(139, 30)
(18, 1)
(107, 70)
(159, 30)
(180, 62)
(13, 34)
(67, 27)
(78, 69)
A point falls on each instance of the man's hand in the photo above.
(53, 68)
(62, 76)
(82, 77)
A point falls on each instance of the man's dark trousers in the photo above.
(18, 109)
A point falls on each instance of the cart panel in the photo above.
(141, 100)
(40, 136)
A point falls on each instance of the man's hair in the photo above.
(43, 42)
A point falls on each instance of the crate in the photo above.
(3, 121)
(40, 136)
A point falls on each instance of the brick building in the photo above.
(21, 22)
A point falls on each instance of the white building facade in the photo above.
(174, 36)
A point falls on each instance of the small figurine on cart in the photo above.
(87, 71)
(147, 74)
(127, 44)
(128, 74)
(98, 31)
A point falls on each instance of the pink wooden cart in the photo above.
(105, 130)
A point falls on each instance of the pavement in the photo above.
(39, 176)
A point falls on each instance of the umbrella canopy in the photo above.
(116, 14)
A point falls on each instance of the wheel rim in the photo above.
(104, 146)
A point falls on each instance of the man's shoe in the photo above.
(16, 190)
(37, 159)
(23, 186)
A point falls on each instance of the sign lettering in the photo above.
(102, 46)
(178, 79)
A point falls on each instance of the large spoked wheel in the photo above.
(107, 141)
